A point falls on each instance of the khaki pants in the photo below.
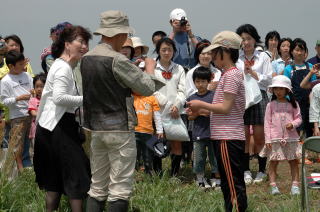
(112, 159)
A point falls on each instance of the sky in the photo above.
(31, 20)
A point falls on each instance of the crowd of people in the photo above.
(191, 99)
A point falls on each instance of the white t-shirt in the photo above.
(13, 86)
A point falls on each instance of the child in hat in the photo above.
(282, 140)
(226, 119)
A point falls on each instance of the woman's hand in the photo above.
(174, 112)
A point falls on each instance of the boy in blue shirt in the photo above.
(201, 130)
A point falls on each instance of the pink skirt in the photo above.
(279, 151)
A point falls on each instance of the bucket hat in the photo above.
(113, 22)
(280, 81)
(137, 42)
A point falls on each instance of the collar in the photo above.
(108, 46)
(242, 55)
(281, 60)
(172, 66)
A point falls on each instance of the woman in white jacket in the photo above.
(173, 94)
(60, 163)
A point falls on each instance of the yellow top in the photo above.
(5, 69)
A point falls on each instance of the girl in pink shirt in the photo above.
(38, 84)
(281, 138)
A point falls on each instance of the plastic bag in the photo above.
(175, 129)
(252, 91)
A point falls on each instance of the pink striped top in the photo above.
(229, 126)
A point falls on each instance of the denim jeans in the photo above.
(200, 156)
(144, 154)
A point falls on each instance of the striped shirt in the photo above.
(229, 126)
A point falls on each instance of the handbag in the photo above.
(175, 129)
(252, 91)
(158, 146)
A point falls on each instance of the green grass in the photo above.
(162, 194)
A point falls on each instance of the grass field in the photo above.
(165, 194)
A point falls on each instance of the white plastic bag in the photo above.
(252, 91)
(175, 129)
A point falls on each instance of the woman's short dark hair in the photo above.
(16, 39)
(300, 43)
(270, 35)
(234, 53)
(202, 73)
(162, 34)
(42, 77)
(69, 34)
(13, 56)
(168, 41)
(199, 47)
(251, 30)
(281, 41)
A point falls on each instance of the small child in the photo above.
(38, 83)
(147, 110)
(16, 89)
(296, 72)
(282, 140)
(201, 130)
(226, 119)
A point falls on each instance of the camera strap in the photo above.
(189, 52)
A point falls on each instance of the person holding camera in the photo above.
(185, 41)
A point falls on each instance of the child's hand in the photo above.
(316, 131)
(269, 146)
(289, 126)
(160, 135)
(23, 97)
(194, 106)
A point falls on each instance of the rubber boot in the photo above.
(94, 205)
(118, 206)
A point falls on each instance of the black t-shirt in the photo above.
(201, 128)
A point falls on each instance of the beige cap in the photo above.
(113, 23)
(227, 39)
(137, 42)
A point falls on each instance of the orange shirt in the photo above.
(145, 105)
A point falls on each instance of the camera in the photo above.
(183, 21)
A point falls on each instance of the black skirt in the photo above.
(60, 162)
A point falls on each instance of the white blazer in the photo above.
(59, 95)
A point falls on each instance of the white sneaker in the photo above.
(206, 184)
(213, 182)
(295, 190)
(275, 190)
(247, 177)
(260, 177)
(218, 182)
